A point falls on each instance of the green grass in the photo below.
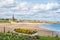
(48, 38)
(4, 21)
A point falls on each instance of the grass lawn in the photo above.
(4, 21)
(48, 38)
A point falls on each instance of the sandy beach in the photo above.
(34, 26)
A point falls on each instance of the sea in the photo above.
(52, 27)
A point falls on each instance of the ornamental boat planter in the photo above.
(23, 31)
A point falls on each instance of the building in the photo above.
(12, 19)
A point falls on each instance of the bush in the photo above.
(10, 36)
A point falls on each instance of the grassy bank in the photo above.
(10, 36)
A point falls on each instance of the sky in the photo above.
(31, 9)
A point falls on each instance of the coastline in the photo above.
(34, 26)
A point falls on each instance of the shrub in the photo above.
(10, 36)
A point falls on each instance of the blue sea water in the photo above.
(52, 27)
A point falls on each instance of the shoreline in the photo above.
(34, 26)
(28, 23)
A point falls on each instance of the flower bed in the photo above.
(26, 31)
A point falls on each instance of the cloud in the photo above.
(31, 10)
(45, 6)
(58, 10)
(26, 7)
(9, 1)
(5, 2)
(34, 7)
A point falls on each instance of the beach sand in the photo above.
(33, 26)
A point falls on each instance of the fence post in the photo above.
(4, 29)
(57, 35)
(52, 33)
